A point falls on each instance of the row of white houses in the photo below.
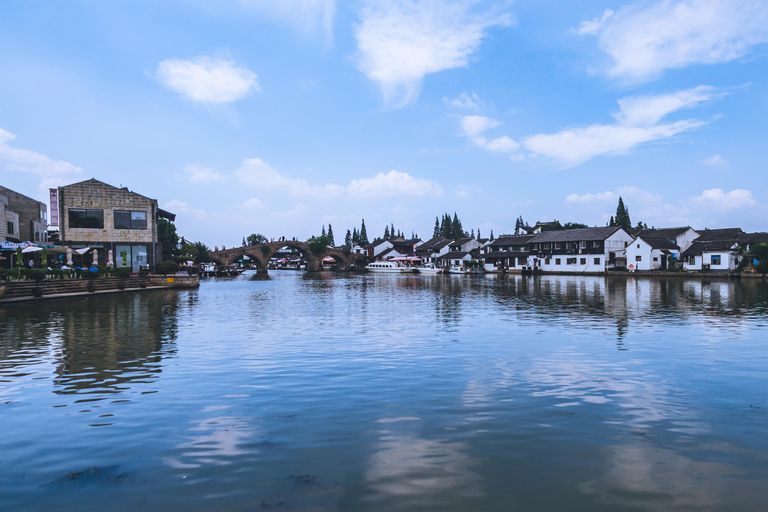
(588, 250)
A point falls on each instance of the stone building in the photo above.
(9, 221)
(32, 216)
(95, 214)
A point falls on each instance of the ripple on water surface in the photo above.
(379, 392)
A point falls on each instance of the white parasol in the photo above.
(110, 261)
(95, 257)
(69, 256)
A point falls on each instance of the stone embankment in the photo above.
(13, 292)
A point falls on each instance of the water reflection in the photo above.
(97, 345)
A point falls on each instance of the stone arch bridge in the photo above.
(262, 253)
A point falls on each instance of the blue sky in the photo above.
(277, 117)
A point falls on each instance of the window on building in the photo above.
(638, 258)
(557, 245)
(583, 261)
(125, 219)
(88, 219)
(638, 246)
(583, 245)
(655, 258)
(715, 259)
(597, 261)
(692, 260)
(546, 261)
(9, 225)
(557, 261)
(570, 261)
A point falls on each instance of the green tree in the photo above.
(436, 232)
(330, 236)
(472, 233)
(386, 232)
(319, 244)
(760, 253)
(456, 229)
(478, 234)
(348, 238)
(622, 215)
(355, 236)
(256, 239)
(363, 234)
(166, 235)
(574, 225)
(491, 236)
(323, 233)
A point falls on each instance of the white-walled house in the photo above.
(714, 256)
(578, 250)
(646, 253)
(432, 249)
(453, 258)
(465, 245)
(376, 248)
(683, 237)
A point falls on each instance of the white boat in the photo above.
(457, 270)
(389, 267)
(429, 268)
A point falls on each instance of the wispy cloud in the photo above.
(51, 172)
(207, 79)
(308, 16)
(473, 126)
(715, 161)
(401, 41)
(200, 174)
(466, 101)
(256, 172)
(637, 122)
(643, 41)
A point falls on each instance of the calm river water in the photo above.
(390, 393)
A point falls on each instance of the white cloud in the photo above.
(401, 41)
(517, 158)
(253, 203)
(466, 101)
(644, 41)
(502, 145)
(599, 197)
(256, 172)
(715, 161)
(200, 174)
(636, 123)
(475, 125)
(392, 184)
(593, 26)
(207, 79)
(183, 208)
(719, 200)
(462, 191)
(23, 160)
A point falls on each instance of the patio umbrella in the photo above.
(44, 258)
(110, 261)
(69, 256)
(95, 257)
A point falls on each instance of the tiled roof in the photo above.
(753, 238)
(663, 232)
(706, 235)
(659, 243)
(453, 255)
(709, 246)
(507, 241)
(575, 235)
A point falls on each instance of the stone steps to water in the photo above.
(64, 286)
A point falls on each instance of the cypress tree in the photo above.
(437, 228)
(472, 233)
(446, 227)
(491, 235)
(622, 215)
(386, 232)
(355, 236)
(392, 230)
(363, 235)
(323, 232)
(456, 229)
(348, 238)
(330, 236)
(478, 234)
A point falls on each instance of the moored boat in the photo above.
(455, 269)
(388, 267)
(429, 269)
